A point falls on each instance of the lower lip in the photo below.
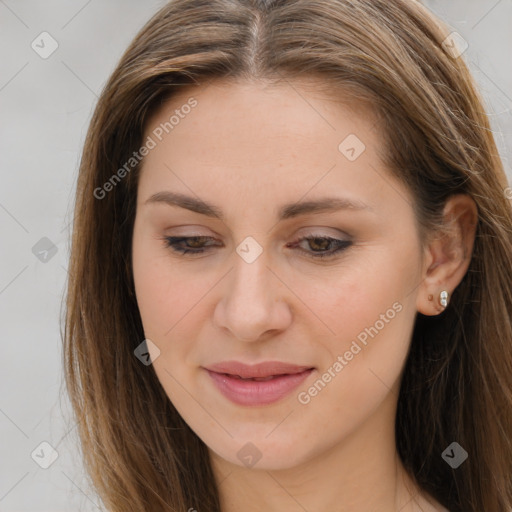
(253, 392)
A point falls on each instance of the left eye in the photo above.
(319, 244)
(322, 246)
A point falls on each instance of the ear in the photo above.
(448, 255)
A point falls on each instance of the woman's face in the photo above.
(275, 164)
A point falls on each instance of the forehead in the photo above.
(307, 94)
(251, 145)
(251, 122)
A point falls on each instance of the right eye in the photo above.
(187, 244)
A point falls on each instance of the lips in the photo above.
(260, 371)
(259, 384)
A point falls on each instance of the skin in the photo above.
(248, 148)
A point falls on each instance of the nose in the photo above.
(253, 302)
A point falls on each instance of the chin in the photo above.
(263, 454)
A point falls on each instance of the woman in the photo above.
(290, 267)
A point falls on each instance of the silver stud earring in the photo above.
(443, 298)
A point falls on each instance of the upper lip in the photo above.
(265, 369)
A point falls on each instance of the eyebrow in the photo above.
(287, 211)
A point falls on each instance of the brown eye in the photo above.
(196, 242)
(319, 244)
(323, 246)
(187, 244)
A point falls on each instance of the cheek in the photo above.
(356, 299)
(150, 290)
(163, 294)
(365, 361)
(371, 312)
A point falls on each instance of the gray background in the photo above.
(45, 106)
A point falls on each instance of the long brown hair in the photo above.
(457, 382)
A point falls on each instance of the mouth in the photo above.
(264, 370)
(260, 384)
(257, 379)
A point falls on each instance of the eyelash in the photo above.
(173, 241)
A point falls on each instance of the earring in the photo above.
(443, 298)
